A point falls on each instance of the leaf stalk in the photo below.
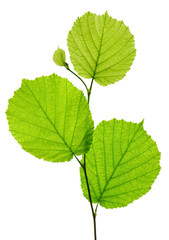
(90, 90)
(67, 67)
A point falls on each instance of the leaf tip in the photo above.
(142, 122)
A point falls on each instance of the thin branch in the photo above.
(79, 161)
(84, 164)
(90, 90)
(67, 67)
(88, 189)
(90, 198)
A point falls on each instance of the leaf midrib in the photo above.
(56, 131)
(101, 41)
(119, 163)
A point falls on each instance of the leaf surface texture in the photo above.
(101, 48)
(122, 163)
(50, 119)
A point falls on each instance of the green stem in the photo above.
(84, 165)
(79, 161)
(85, 172)
(90, 198)
(67, 67)
(95, 212)
(90, 90)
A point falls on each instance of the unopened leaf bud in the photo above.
(59, 57)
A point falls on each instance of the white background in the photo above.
(41, 200)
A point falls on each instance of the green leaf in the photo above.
(50, 118)
(101, 48)
(59, 57)
(122, 163)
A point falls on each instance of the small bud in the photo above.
(59, 57)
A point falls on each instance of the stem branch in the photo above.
(94, 212)
(90, 90)
(79, 161)
(90, 199)
(67, 67)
